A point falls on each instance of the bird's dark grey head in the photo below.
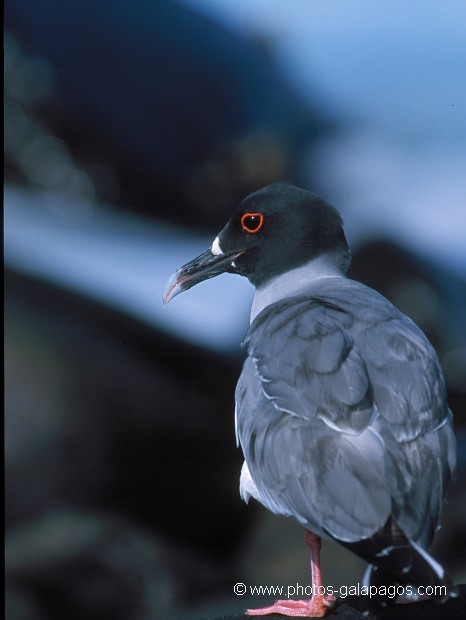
(281, 227)
(276, 229)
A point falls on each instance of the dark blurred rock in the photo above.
(106, 416)
(178, 115)
(78, 566)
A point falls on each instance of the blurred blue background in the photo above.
(131, 132)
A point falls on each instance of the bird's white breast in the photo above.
(247, 488)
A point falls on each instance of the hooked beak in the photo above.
(206, 265)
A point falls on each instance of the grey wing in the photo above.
(337, 426)
(414, 420)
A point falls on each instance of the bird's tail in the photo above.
(396, 560)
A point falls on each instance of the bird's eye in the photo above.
(252, 222)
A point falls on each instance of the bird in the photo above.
(341, 407)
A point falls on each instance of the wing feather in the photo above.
(342, 414)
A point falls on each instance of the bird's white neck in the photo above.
(291, 282)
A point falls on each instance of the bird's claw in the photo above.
(316, 607)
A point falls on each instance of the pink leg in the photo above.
(318, 606)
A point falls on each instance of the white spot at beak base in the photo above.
(216, 249)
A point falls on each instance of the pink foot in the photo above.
(317, 607)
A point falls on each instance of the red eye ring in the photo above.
(255, 223)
